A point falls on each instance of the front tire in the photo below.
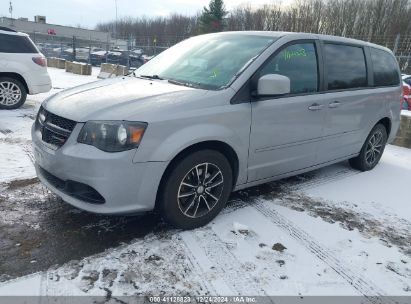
(13, 94)
(372, 149)
(196, 189)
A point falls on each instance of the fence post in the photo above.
(108, 47)
(89, 51)
(74, 48)
(128, 52)
(396, 42)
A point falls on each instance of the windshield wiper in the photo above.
(186, 84)
(151, 77)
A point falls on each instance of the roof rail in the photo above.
(6, 29)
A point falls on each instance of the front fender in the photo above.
(194, 134)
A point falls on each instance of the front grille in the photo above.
(54, 130)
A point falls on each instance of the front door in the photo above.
(286, 130)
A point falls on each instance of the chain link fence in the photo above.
(129, 51)
(400, 45)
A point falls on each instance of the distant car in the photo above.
(406, 92)
(114, 56)
(82, 53)
(406, 78)
(50, 49)
(121, 57)
(97, 58)
(147, 58)
(137, 52)
(23, 69)
(67, 54)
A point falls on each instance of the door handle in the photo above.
(316, 107)
(334, 104)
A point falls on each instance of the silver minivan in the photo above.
(214, 114)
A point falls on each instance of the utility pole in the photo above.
(115, 26)
(11, 10)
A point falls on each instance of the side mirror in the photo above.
(273, 84)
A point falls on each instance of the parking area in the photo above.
(334, 229)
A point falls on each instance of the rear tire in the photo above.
(13, 93)
(372, 149)
(196, 189)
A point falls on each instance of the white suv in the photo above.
(23, 69)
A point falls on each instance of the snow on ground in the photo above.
(15, 162)
(377, 191)
(334, 231)
(406, 113)
(289, 241)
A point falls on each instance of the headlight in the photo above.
(112, 136)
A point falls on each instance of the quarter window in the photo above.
(345, 67)
(299, 63)
(385, 68)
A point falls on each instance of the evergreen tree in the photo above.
(212, 17)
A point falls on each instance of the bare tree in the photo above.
(378, 21)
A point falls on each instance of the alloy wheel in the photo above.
(374, 148)
(200, 190)
(10, 93)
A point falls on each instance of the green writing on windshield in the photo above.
(291, 54)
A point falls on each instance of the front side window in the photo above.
(208, 61)
(16, 44)
(385, 68)
(298, 62)
(345, 66)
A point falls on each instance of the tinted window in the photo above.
(345, 66)
(16, 44)
(299, 63)
(385, 68)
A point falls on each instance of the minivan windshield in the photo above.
(208, 62)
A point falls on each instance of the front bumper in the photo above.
(126, 187)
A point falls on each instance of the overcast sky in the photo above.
(90, 12)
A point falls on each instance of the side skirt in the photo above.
(292, 173)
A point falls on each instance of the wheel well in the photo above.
(386, 122)
(17, 77)
(219, 146)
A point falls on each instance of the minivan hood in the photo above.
(120, 98)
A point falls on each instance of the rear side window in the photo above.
(345, 66)
(299, 63)
(16, 44)
(385, 68)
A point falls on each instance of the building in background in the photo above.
(42, 32)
